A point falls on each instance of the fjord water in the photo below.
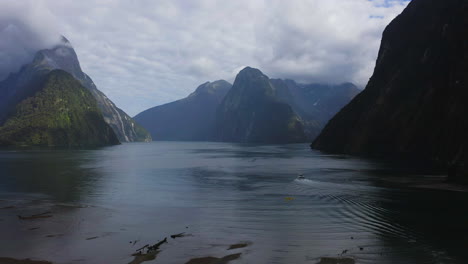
(221, 194)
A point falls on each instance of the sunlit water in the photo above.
(222, 194)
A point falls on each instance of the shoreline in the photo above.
(427, 182)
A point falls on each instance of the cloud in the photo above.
(25, 27)
(142, 53)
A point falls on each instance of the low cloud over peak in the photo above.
(144, 53)
(25, 27)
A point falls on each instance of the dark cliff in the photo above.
(415, 103)
(251, 113)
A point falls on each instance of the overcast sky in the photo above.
(143, 53)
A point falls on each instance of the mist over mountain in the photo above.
(136, 48)
(265, 146)
(22, 35)
(63, 57)
(56, 110)
(415, 103)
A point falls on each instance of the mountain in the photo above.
(251, 113)
(188, 119)
(56, 111)
(314, 103)
(322, 101)
(63, 57)
(415, 103)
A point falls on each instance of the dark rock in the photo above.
(213, 260)
(177, 235)
(331, 260)
(236, 246)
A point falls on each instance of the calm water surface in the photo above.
(222, 194)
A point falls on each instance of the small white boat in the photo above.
(301, 177)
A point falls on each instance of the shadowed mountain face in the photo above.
(56, 111)
(191, 118)
(415, 103)
(259, 110)
(322, 101)
(63, 57)
(251, 112)
(314, 103)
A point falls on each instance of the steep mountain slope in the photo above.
(322, 101)
(57, 111)
(63, 57)
(191, 118)
(415, 103)
(250, 112)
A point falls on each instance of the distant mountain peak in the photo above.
(62, 56)
(250, 112)
(212, 87)
(190, 118)
(250, 72)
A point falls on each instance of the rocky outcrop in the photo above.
(415, 103)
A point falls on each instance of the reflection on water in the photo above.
(222, 194)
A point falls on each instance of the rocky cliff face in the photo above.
(188, 119)
(415, 103)
(56, 111)
(251, 112)
(63, 57)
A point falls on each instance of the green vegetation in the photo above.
(142, 135)
(61, 113)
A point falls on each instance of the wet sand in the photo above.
(24, 261)
(138, 257)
